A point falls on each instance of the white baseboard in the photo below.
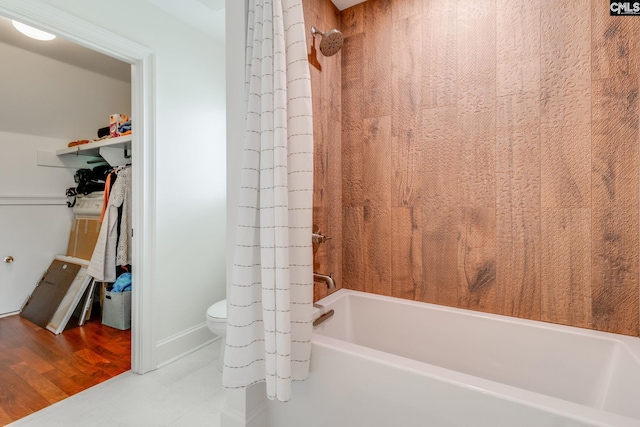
(11, 313)
(179, 345)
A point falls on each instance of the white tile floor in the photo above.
(186, 393)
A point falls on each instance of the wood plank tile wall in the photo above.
(326, 88)
(489, 156)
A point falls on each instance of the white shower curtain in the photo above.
(270, 301)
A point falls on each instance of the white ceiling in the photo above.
(65, 51)
(205, 15)
(344, 4)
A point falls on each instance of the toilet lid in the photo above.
(218, 310)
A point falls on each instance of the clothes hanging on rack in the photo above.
(123, 251)
(109, 181)
(114, 244)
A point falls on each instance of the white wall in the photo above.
(45, 97)
(19, 173)
(190, 163)
(34, 219)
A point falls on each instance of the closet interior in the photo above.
(96, 269)
(64, 132)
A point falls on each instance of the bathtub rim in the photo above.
(631, 343)
(557, 406)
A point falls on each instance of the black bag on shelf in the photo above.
(90, 180)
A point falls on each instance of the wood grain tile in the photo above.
(331, 16)
(477, 94)
(440, 259)
(439, 64)
(352, 20)
(567, 74)
(353, 266)
(333, 227)
(560, 110)
(518, 155)
(320, 155)
(406, 251)
(518, 109)
(615, 102)
(376, 65)
(331, 82)
(566, 266)
(615, 205)
(406, 56)
(476, 39)
(352, 171)
(441, 156)
(477, 259)
(524, 166)
(406, 186)
(352, 121)
(402, 9)
(565, 166)
(518, 254)
(406, 118)
(376, 240)
(476, 183)
(377, 162)
(352, 87)
(614, 44)
(440, 255)
(518, 75)
(518, 31)
(566, 28)
(518, 222)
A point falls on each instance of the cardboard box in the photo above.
(83, 238)
(116, 310)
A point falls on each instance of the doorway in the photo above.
(93, 37)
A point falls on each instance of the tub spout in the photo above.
(326, 279)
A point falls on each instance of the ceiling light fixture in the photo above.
(34, 33)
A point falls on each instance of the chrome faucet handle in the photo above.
(319, 238)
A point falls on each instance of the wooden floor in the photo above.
(38, 368)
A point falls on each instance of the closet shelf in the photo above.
(93, 148)
(113, 151)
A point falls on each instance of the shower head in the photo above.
(331, 41)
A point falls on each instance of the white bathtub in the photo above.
(388, 362)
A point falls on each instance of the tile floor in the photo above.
(185, 393)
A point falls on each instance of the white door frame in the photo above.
(48, 18)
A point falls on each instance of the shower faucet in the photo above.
(319, 238)
(331, 284)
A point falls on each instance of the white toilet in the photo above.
(217, 323)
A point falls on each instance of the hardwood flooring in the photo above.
(38, 368)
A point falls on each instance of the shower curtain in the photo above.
(270, 300)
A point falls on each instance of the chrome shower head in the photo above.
(331, 41)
